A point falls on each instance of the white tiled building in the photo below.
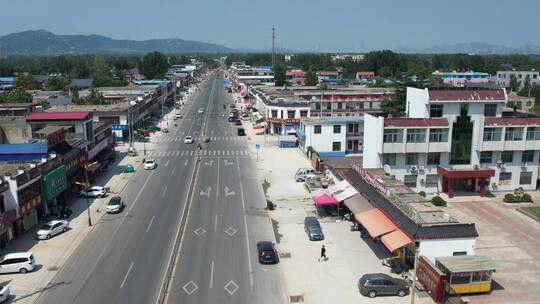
(503, 77)
(456, 140)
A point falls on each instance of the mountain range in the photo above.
(474, 47)
(42, 42)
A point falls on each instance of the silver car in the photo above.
(51, 229)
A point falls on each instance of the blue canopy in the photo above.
(16, 152)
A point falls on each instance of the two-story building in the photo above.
(77, 125)
(456, 140)
(502, 78)
(459, 79)
(332, 136)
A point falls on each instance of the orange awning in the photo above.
(375, 222)
(395, 239)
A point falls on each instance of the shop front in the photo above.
(464, 179)
(53, 187)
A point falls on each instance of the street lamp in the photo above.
(87, 185)
(415, 266)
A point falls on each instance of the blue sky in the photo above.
(331, 25)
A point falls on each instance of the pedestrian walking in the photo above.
(323, 254)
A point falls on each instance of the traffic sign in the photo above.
(257, 146)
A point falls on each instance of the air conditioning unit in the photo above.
(413, 169)
(523, 165)
(476, 167)
(422, 181)
(499, 161)
(421, 169)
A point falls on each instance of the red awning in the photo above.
(325, 199)
(375, 222)
(395, 239)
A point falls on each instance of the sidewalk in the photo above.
(350, 256)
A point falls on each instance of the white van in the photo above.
(22, 262)
(302, 173)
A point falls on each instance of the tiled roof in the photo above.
(407, 225)
(511, 121)
(416, 122)
(58, 116)
(369, 74)
(466, 95)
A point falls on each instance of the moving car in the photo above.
(94, 191)
(22, 262)
(313, 229)
(188, 139)
(267, 253)
(177, 116)
(200, 111)
(51, 229)
(149, 164)
(375, 284)
(4, 293)
(115, 205)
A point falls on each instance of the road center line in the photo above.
(172, 173)
(127, 274)
(167, 163)
(215, 224)
(247, 236)
(150, 224)
(212, 275)
(218, 165)
(164, 191)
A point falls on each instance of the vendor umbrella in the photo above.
(325, 199)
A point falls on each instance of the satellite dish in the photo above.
(387, 169)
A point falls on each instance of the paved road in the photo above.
(124, 260)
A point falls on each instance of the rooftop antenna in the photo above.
(273, 47)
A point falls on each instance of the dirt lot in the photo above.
(513, 241)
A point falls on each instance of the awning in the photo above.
(375, 222)
(324, 199)
(93, 167)
(357, 204)
(395, 239)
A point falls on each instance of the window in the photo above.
(416, 135)
(410, 180)
(481, 276)
(433, 158)
(533, 133)
(456, 253)
(513, 133)
(303, 113)
(412, 159)
(393, 135)
(317, 129)
(336, 146)
(436, 110)
(527, 157)
(490, 110)
(460, 278)
(274, 114)
(525, 178)
(337, 129)
(432, 180)
(507, 156)
(438, 135)
(389, 159)
(290, 114)
(486, 157)
(492, 134)
(505, 178)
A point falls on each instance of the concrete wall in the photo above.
(373, 140)
(322, 142)
(446, 247)
(417, 101)
(14, 130)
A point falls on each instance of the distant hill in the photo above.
(474, 47)
(43, 42)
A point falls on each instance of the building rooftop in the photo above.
(416, 122)
(331, 120)
(466, 263)
(81, 82)
(49, 130)
(512, 121)
(38, 116)
(466, 95)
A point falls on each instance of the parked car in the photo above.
(115, 205)
(188, 140)
(267, 253)
(241, 132)
(375, 284)
(200, 111)
(313, 229)
(149, 164)
(238, 122)
(22, 262)
(303, 173)
(51, 229)
(177, 116)
(94, 191)
(231, 119)
(4, 293)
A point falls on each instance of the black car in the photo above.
(231, 119)
(238, 122)
(375, 284)
(267, 253)
(313, 229)
(241, 132)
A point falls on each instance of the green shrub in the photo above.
(438, 201)
(510, 198)
(526, 198)
(519, 196)
(422, 193)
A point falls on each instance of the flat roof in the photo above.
(331, 120)
(467, 263)
(467, 95)
(415, 122)
(57, 116)
(49, 130)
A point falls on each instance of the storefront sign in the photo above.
(283, 121)
(370, 179)
(119, 127)
(98, 148)
(53, 183)
(431, 278)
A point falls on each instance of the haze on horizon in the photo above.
(339, 25)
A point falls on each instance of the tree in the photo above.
(279, 74)
(154, 65)
(526, 90)
(94, 98)
(18, 95)
(514, 83)
(311, 78)
(26, 82)
(55, 83)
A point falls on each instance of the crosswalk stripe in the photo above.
(182, 154)
(191, 153)
(246, 152)
(177, 153)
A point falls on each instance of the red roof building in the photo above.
(466, 95)
(44, 116)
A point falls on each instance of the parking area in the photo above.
(513, 241)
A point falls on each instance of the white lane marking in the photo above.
(164, 191)
(215, 223)
(217, 192)
(186, 162)
(212, 275)
(125, 277)
(150, 224)
(246, 229)
(167, 163)
(173, 171)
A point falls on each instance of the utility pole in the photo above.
(273, 48)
